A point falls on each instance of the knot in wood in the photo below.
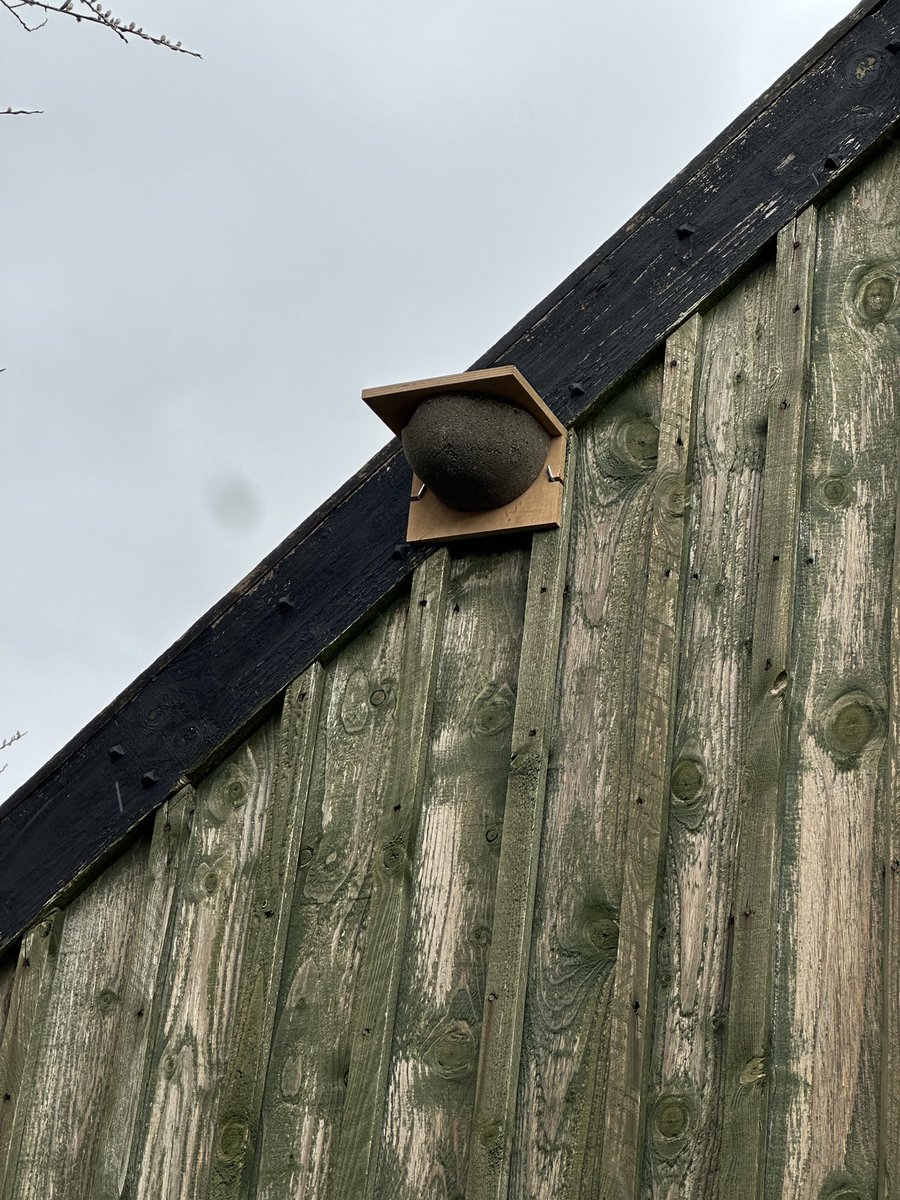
(853, 721)
(454, 1053)
(233, 1140)
(236, 792)
(392, 857)
(671, 1116)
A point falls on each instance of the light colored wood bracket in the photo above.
(540, 507)
(430, 520)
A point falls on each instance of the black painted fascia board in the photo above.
(789, 150)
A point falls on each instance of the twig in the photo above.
(96, 15)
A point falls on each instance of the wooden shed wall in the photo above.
(574, 874)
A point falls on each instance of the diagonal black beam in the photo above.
(788, 150)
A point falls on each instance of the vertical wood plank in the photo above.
(432, 1076)
(560, 1106)
(85, 1011)
(828, 1007)
(754, 920)
(631, 1010)
(490, 1146)
(260, 972)
(216, 895)
(307, 1075)
(127, 1059)
(704, 787)
(889, 1133)
(22, 1038)
(375, 997)
(7, 976)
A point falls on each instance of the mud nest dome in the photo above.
(474, 451)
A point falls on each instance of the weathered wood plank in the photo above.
(490, 1145)
(753, 922)
(559, 1111)
(260, 971)
(828, 998)
(631, 1008)
(375, 996)
(127, 1062)
(889, 1139)
(704, 786)
(85, 1011)
(308, 1068)
(22, 1037)
(432, 1077)
(7, 976)
(216, 897)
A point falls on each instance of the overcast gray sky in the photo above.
(204, 263)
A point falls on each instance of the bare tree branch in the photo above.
(96, 15)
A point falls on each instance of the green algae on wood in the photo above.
(90, 1019)
(747, 1067)
(23, 1037)
(559, 1108)
(490, 1144)
(706, 781)
(631, 1006)
(375, 997)
(828, 992)
(306, 1080)
(237, 1128)
(198, 995)
(462, 831)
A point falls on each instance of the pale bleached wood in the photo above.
(432, 1076)
(748, 1074)
(559, 1111)
(704, 787)
(263, 953)
(828, 1003)
(307, 1074)
(213, 910)
(23, 1037)
(128, 1058)
(490, 1145)
(373, 1010)
(631, 1007)
(87, 1009)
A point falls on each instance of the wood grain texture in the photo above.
(307, 1075)
(825, 1111)
(86, 1011)
(127, 1058)
(705, 785)
(22, 1038)
(432, 1075)
(216, 896)
(631, 1007)
(237, 1131)
(7, 977)
(490, 1146)
(753, 922)
(559, 1112)
(599, 324)
(375, 996)
(889, 1139)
